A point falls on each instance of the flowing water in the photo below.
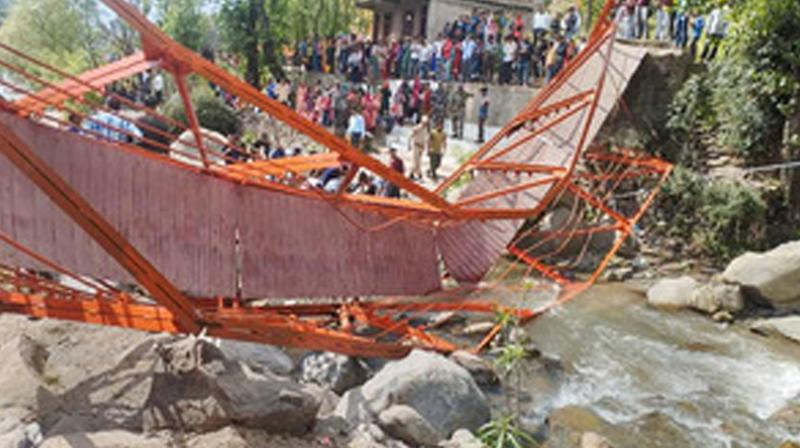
(714, 385)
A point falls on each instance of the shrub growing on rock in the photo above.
(721, 217)
(212, 113)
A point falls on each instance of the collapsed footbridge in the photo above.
(242, 251)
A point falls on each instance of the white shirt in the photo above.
(158, 83)
(428, 52)
(509, 51)
(541, 21)
(469, 48)
(356, 125)
(416, 51)
(717, 26)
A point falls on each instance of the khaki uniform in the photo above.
(418, 143)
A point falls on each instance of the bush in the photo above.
(721, 217)
(748, 118)
(212, 113)
(691, 117)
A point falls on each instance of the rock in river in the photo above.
(672, 293)
(439, 390)
(773, 276)
(788, 327)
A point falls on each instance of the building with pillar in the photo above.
(426, 18)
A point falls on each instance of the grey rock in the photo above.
(339, 372)
(197, 389)
(722, 317)
(672, 293)
(715, 297)
(774, 276)
(21, 383)
(404, 423)
(788, 327)
(480, 369)
(427, 382)
(259, 357)
(462, 438)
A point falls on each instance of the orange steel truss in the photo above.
(539, 196)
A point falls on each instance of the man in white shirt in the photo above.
(716, 30)
(468, 54)
(541, 23)
(158, 87)
(356, 128)
(509, 54)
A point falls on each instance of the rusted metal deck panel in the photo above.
(185, 223)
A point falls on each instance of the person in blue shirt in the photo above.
(110, 126)
(698, 24)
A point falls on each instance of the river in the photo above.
(661, 379)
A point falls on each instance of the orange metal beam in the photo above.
(88, 81)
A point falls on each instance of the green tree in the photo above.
(65, 33)
(185, 21)
(248, 31)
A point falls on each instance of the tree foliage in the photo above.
(742, 104)
(65, 33)
(752, 89)
(186, 21)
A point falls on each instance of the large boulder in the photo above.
(428, 383)
(772, 276)
(196, 388)
(686, 293)
(23, 382)
(259, 357)
(716, 297)
(338, 372)
(672, 293)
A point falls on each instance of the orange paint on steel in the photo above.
(188, 108)
(83, 214)
(86, 82)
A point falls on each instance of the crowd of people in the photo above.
(500, 47)
(485, 46)
(675, 22)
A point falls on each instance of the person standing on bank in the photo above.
(458, 110)
(418, 143)
(356, 128)
(483, 113)
(436, 149)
